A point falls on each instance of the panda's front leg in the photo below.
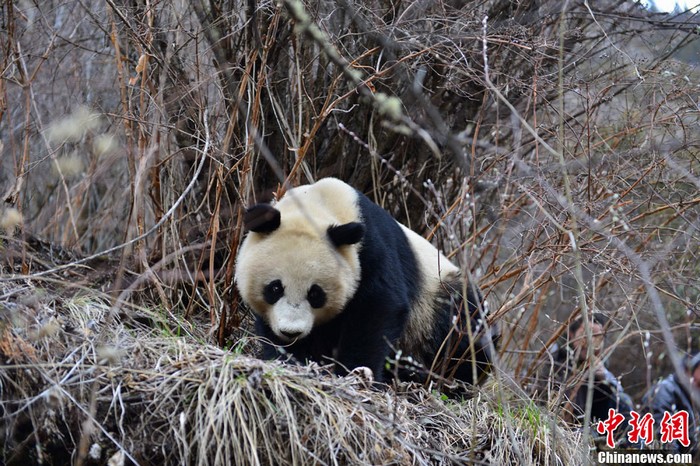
(268, 340)
(369, 338)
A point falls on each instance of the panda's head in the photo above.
(297, 268)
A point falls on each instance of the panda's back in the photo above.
(387, 260)
(329, 199)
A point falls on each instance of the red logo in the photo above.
(642, 428)
(609, 425)
(672, 427)
(675, 427)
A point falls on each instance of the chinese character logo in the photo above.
(609, 425)
(675, 427)
(642, 428)
(672, 427)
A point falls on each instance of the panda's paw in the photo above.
(363, 374)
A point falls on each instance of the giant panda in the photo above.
(333, 278)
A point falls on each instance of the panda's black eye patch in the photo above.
(273, 291)
(316, 296)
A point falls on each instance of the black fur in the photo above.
(466, 352)
(262, 218)
(350, 233)
(368, 330)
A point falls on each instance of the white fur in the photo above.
(291, 318)
(435, 269)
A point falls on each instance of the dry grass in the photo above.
(77, 380)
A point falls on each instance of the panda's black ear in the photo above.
(262, 218)
(350, 233)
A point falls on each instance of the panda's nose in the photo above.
(290, 334)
